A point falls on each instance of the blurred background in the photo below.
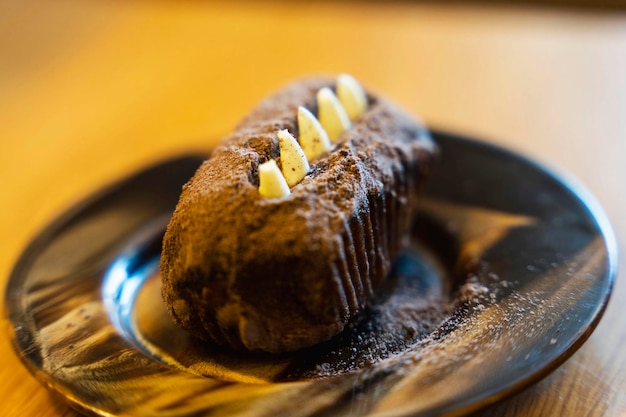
(91, 91)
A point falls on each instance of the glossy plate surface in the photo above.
(509, 272)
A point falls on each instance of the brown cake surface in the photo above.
(277, 275)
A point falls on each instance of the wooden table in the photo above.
(92, 91)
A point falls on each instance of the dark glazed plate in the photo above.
(509, 272)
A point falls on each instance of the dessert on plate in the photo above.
(284, 234)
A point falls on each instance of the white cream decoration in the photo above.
(272, 184)
(352, 96)
(331, 114)
(317, 135)
(292, 158)
(313, 138)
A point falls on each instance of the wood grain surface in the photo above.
(92, 91)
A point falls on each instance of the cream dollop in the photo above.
(292, 158)
(272, 184)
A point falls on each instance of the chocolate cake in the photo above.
(279, 274)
